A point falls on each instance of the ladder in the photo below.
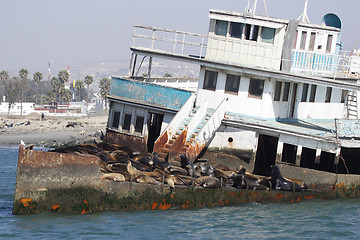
(351, 105)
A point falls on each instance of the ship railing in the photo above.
(196, 45)
(174, 41)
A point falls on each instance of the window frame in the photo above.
(218, 29)
(328, 94)
(265, 40)
(277, 93)
(230, 79)
(252, 85)
(115, 113)
(124, 120)
(207, 75)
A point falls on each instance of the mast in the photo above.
(304, 16)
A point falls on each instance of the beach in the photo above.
(50, 131)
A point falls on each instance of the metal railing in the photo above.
(196, 45)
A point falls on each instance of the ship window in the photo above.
(308, 158)
(251, 32)
(116, 119)
(267, 35)
(236, 30)
(286, 91)
(303, 40)
(221, 27)
(289, 153)
(256, 88)
(312, 41)
(127, 122)
(328, 94)
(295, 40)
(139, 123)
(312, 93)
(232, 83)
(210, 80)
(277, 91)
(343, 95)
(304, 92)
(329, 43)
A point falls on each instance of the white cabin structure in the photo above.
(270, 91)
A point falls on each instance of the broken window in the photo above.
(232, 83)
(308, 158)
(289, 153)
(303, 40)
(328, 94)
(267, 35)
(277, 91)
(116, 120)
(312, 41)
(329, 43)
(210, 80)
(221, 28)
(126, 122)
(251, 32)
(304, 92)
(286, 91)
(312, 93)
(236, 30)
(256, 88)
(343, 95)
(139, 123)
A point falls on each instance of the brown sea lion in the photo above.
(135, 173)
(146, 179)
(208, 182)
(117, 177)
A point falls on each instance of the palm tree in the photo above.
(105, 88)
(89, 80)
(12, 90)
(4, 76)
(79, 85)
(37, 77)
(23, 73)
(63, 77)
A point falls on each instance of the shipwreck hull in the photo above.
(71, 183)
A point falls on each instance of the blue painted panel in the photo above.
(149, 93)
(348, 128)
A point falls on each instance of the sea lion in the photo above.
(205, 170)
(169, 181)
(120, 156)
(280, 183)
(117, 177)
(159, 164)
(241, 181)
(188, 166)
(146, 179)
(135, 173)
(140, 166)
(145, 160)
(208, 182)
(178, 170)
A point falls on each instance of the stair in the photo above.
(351, 105)
(166, 149)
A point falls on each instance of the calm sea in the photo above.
(307, 220)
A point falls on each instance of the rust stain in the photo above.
(136, 143)
(178, 146)
(185, 205)
(309, 197)
(86, 202)
(278, 196)
(55, 207)
(232, 194)
(161, 142)
(194, 150)
(154, 205)
(84, 211)
(298, 199)
(26, 202)
(252, 194)
(172, 196)
(164, 206)
(226, 201)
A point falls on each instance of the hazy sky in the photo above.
(82, 31)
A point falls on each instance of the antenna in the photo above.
(304, 14)
(49, 63)
(252, 10)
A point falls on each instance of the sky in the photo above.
(69, 32)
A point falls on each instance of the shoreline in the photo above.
(51, 131)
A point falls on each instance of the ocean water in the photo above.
(314, 219)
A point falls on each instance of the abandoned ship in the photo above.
(271, 92)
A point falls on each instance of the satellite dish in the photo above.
(332, 20)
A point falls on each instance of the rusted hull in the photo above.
(137, 143)
(56, 182)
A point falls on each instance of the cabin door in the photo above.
(154, 127)
(265, 154)
(293, 101)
